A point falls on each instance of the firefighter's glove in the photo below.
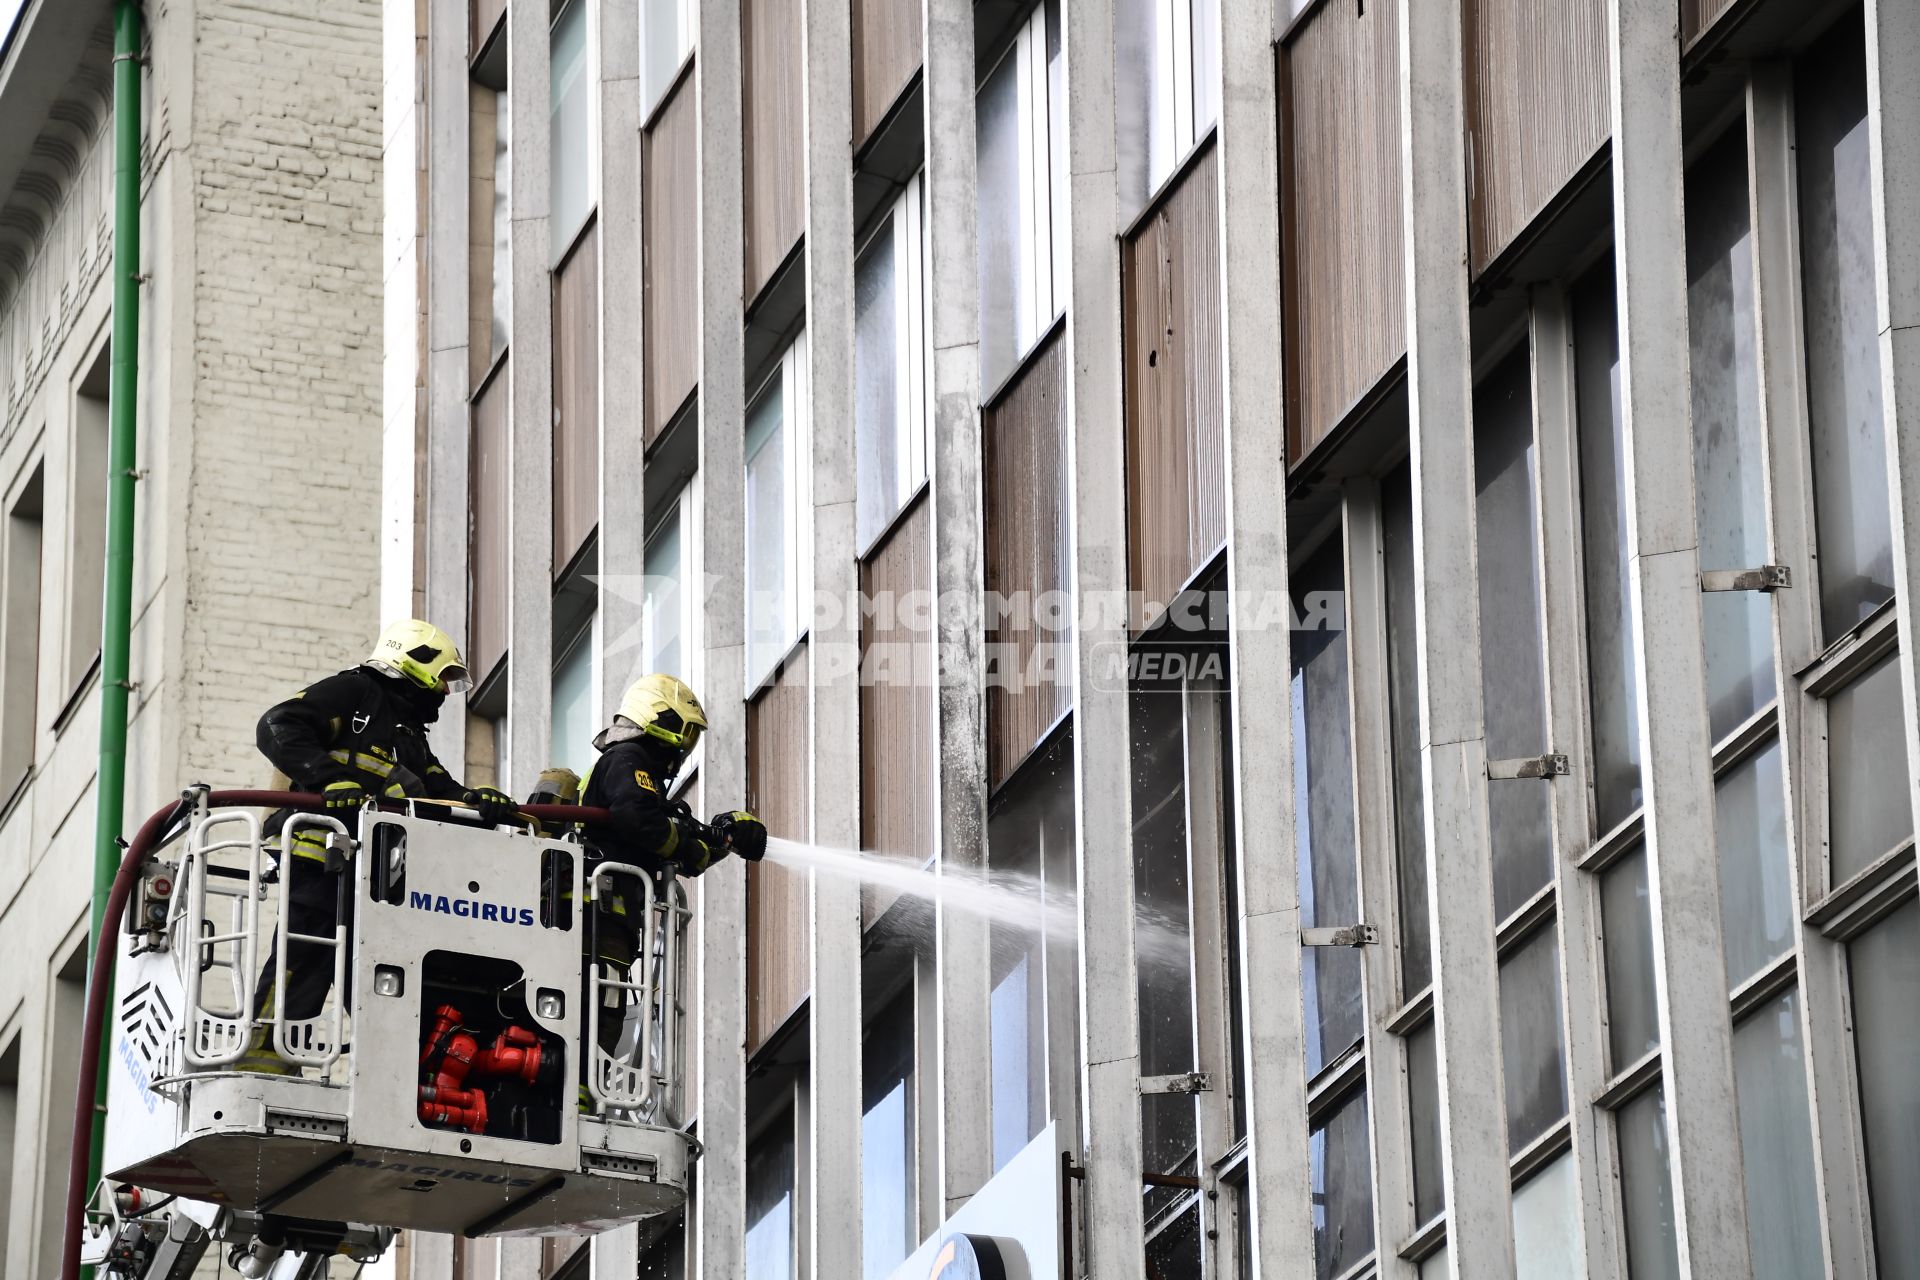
(343, 798)
(494, 806)
(742, 833)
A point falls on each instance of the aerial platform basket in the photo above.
(440, 1087)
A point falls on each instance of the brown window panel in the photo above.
(482, 17)
(1176, 466)
(576, 398)
(898, 735)
(1344, 246)
(1025, 443)
(886, 53)
(487, 548)
(777, 756)
(773, 146)
(1536, 109)
(670, 264)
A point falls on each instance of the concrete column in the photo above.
(1893, 123)
(720, 1086)
(830, 1241)
(1453, 747)
(1273, 1065)
(623, 538)
(1696, 1032)
(1102, 756)
(1389, 1118)
(1846, 1227)
(429, 1257)
(616, 51)
(1563, 599)
(445, 244)
(405, 155)
(962, 1074)
(530, 400)
(520, 1258)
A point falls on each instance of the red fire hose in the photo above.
(101, 978)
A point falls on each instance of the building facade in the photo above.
(1394, 524)
(257, 506)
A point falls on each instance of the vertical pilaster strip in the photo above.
(962, 1077)
(405, 155)
(616, 52)
(833, 651)
(1273, 1066)
(1696, 1032)
(520, 1256)
(1453, 748)
(429, 1256)
(1389, 1118)
(720, 1083)
(1893, 131)
(1563, 599)
(1097, 519)
(530, 399)
(448, 420)
(623, 522)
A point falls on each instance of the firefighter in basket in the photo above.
(648, 742)
(353, 738)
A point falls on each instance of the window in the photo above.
(570, 122)
(1776, 1141)
(1530, 1055)
(1849, 425)
(1869, 810)
(1423, 1103)
(888, 1218)
(1756, 889)
(1626, 912)
(664, 606)
(66, 1012)
(770, 1233)
(667, 30)
(778, 558)
(576, 704)
(1403, 709)
(1323, 803)
(1512, 669)
(9, 1130)
(1021, 153)
(1030, 839)
(1884, 967)
(1653, 1252)
(20, 634)
(1728, 458)
(889, 366)
(1169, 1131)
(1342, 1172)
(1612, 665)
(87, 519)
(1173, 48)
(1546, 1232)
(489, 208)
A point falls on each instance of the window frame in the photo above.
(686, 27)
(906, 223)
(790, 379)
(562, 238)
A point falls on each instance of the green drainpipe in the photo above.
(116, 637)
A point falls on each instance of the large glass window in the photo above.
(1729, 461)
(1530, 1054)
(1342, 1189)
(1546, 1225)
(1021, 143)
(1870, 809)
(889, 366)
(667, 30)
(1323, 800)
(1776, 1142)
(1756, 886)
(576, 705)
(1169, 1131)
(570, 126)
(1633, 1026)
(1512, 663)
(1612, 665)
(1403, 708)
(1423, 1100)
(887, 1209)
(1172, 49)
(1653, 1251)
(770, 1233)
(87, 519)
(1884, 964)
(664, 607)
(1851, 500)
(777, 514)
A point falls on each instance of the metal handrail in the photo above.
(218, 1039)
(301, 1050)
(645, 1079)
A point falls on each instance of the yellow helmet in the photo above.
(422, 653)
(664, 707)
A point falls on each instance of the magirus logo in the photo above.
(472, 909)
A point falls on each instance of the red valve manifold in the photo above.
(454, 1096)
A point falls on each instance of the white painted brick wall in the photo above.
(282, 547)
